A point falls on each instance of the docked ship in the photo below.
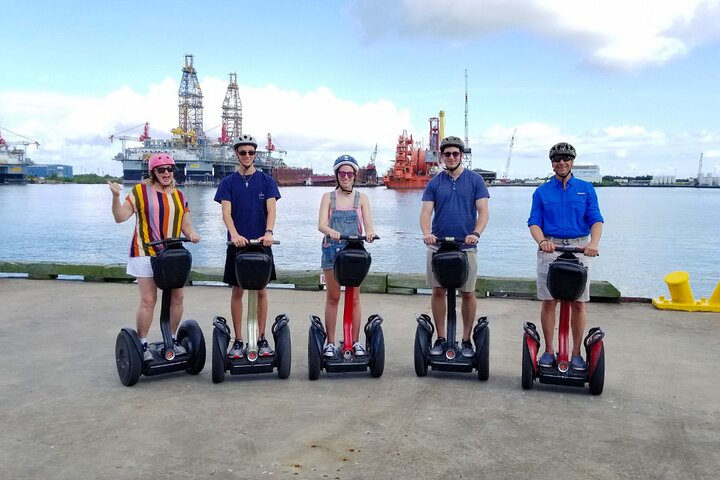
(201, 160)
(14, 161)
(415, 166)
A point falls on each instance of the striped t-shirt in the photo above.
(158, 216)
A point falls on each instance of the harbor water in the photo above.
(648, 232)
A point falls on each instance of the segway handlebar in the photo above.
(357, 238)
(256, 241)
(569, 248)
(451, 239)
(168, 241)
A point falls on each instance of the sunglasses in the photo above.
(346, 174)
(244, 153)
(164, 169)
(451, 154)
(561, 159)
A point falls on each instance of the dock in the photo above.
(65, 414)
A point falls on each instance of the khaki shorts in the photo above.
(472, 271)
(545, 259)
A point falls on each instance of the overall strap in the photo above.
(357, 200)
(332, 200)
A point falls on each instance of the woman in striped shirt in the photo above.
(161, 211)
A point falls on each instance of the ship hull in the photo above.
(409, 184)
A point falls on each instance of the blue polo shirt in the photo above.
(248, 201)
(454, 202)
(567, 213)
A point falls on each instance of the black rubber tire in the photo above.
(421, 340)
(283, 350)
(314, 357)
(191, 337)
(128, 359)
(528, 373)
(483, 358)
(597, 381)
(377, 350)
(218, 356)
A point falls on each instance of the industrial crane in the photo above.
(271, 146)
(25, 143)
(504, 178)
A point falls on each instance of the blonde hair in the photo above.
(153, 179)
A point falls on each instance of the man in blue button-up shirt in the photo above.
(564, 211)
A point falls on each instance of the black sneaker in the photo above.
(264, 349)
(467, 349)
(439, 346)
(237, 350)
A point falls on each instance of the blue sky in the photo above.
(632, 84)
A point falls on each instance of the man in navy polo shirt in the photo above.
(456, 200)
(564, 211)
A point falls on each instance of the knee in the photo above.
(178, 295)
(438, 293)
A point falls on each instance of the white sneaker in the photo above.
(329, 351)
(359, 349)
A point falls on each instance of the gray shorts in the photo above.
(472, 272)
(545, 259)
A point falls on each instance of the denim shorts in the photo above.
(329, 252)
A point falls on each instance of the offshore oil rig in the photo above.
(199, 159)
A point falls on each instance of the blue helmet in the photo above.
(345, 160)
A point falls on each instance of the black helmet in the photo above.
(245, 140)
(452, 142)
(562, 149)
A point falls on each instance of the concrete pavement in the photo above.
(65, 415)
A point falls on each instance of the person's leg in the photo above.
(439, 310)
(332, 299)
(469, 307)
(176, 308)
(236, 310)
(577, 324)
(262, 310)
(148, 298)
(547, 321)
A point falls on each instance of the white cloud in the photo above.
(618, 34)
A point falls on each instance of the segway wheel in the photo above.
(283, 351)
(422, 340)
(218, 356)
(128, 359)
(314, 357)
(528, 373)
(483, 358)
(377, 350)
(597, 381)
(191, 337)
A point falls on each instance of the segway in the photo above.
(566, 281)
(253, 268)
(350, 268)
(171, 269)
(450, 267)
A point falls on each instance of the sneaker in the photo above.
(358, 349)
(147, 354)
(178, 349)
(264, 349)
(547, 360)
(577, 363)
(439, 346)
(237, 350)
(329, 351)
(467, 349)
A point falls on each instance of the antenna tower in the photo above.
(699, 175)
(468, 156)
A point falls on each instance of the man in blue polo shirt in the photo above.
(564, 211)
(456, 200)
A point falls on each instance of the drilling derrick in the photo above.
(231, 112)
(190, 106)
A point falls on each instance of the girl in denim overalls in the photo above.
(344, 211)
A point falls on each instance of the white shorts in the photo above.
(543, 263)
(139, 267)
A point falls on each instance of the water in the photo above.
(648, 233)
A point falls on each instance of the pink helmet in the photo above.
(160, 159)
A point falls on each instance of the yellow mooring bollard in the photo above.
(681, 297)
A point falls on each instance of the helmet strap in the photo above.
(453, 169)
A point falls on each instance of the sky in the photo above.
(632, 84)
